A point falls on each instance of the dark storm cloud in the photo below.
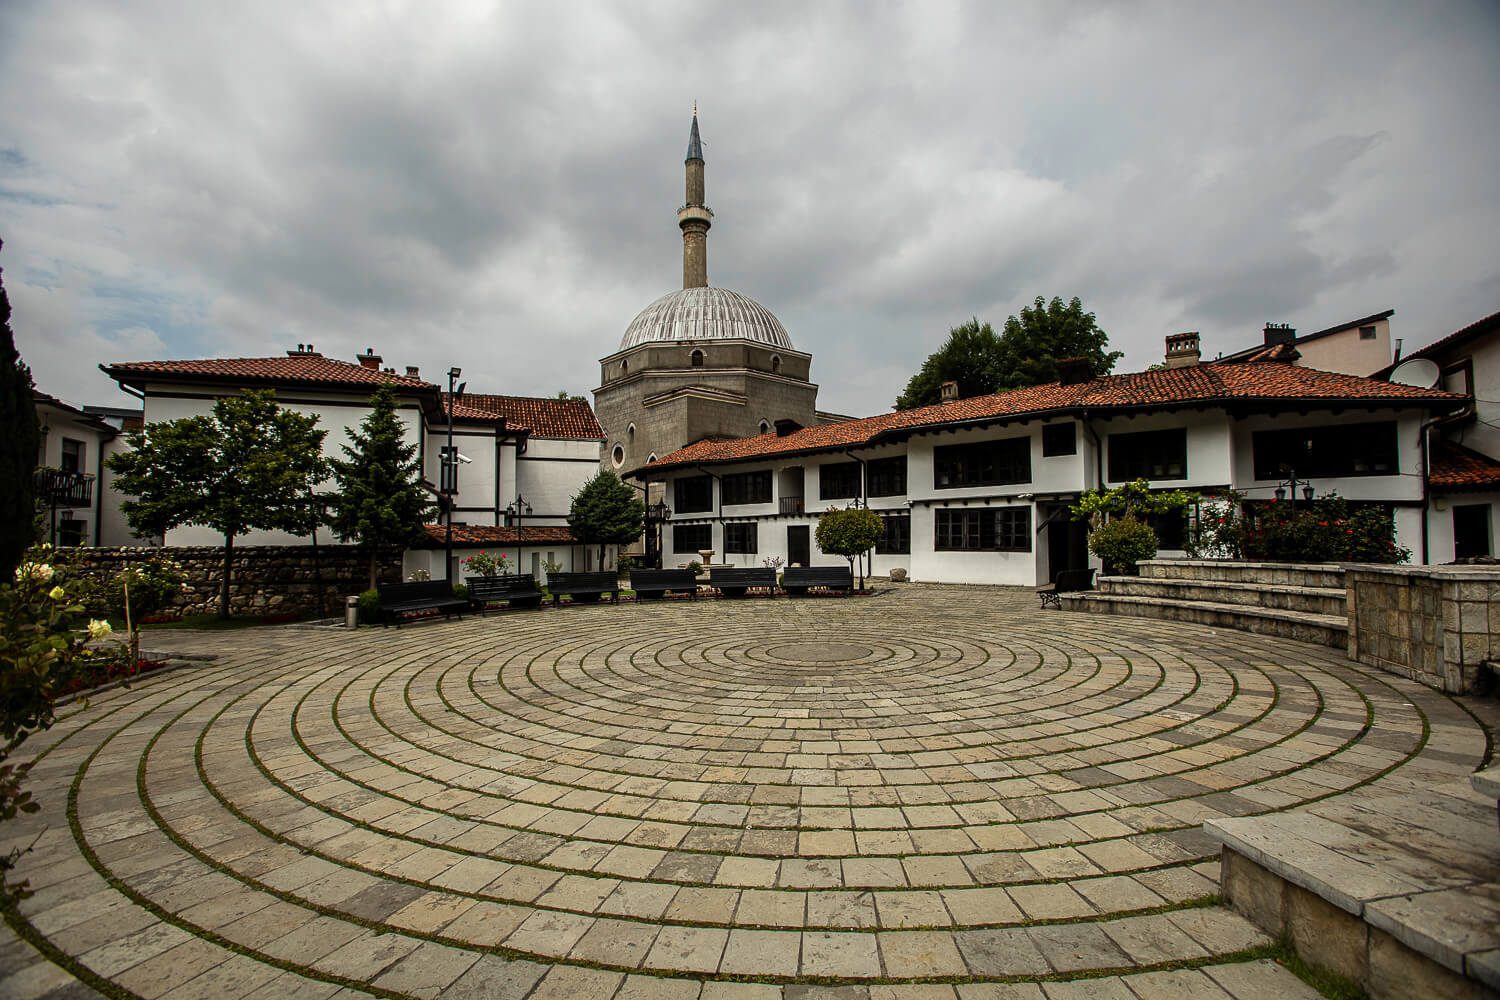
(494, 185)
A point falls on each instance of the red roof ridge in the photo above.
(1190, 385)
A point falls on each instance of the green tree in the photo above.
(380, 500)
(849, 533)
(1046, 332)
(18, 448)
(251, 465)
(606, 511)
(1024, 353)
(971, 356)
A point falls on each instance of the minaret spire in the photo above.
(694, 218)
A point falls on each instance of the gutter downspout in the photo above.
(1423, 433)
(1083, 418)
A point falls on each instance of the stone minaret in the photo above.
(694, 217)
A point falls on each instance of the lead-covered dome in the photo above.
(705, 314)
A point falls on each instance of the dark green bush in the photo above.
(1122, 543)
(1325, 530)
(369, 607)
(461, 591)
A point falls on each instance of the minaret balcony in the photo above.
(694, 213)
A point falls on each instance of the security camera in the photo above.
(465, 459)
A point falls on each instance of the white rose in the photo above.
(56, 593)
(99, 629)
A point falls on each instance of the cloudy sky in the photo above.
(494, 184)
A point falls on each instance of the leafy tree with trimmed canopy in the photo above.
(380, 501)
(607, 512)
(1025, 352)
(251, 465)
(848, 533)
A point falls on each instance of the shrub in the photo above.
(1323, 531)
(1122, 543)
(40, 657)
(695, 566)
(369, 607)
(155, 584)
(484, 564)
(461, 591)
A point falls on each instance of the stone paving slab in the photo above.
(931, 793)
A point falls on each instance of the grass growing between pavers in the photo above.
(1327, 982)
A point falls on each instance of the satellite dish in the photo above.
(1418, 372)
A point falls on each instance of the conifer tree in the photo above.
(380, 500)
(607, 512)
(18, 449)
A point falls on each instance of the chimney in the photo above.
(1279, 333)
(369, 359)
(303, 351)
(786, 426)
(1182, 350)
(411, 371)
(1074, 371)
(949, 392)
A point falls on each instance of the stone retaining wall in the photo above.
(1434, 624)
(265, 579)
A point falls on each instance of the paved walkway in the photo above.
(934, 793)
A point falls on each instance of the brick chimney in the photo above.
(1182, 350)
(369, 359)
(1279, 333)
(1074, 371)
(411, 372)
(302, 351)
(949, 391)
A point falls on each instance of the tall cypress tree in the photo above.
(18, 448)
(380, 501)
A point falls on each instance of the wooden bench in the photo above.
(398, 600)
(519, 589)
(798, 580)
(1069, 581)
(735, 581)
(584, 588)
(653, 584)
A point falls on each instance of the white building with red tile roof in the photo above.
(978, 490)
(510, 452)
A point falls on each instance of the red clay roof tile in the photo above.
(548, 418)
(1456, 468)
(1164, 388)
(295, 369)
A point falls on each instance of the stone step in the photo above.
(1399, 894)
(1324, 630)
(1312, 600)
(1280, 574)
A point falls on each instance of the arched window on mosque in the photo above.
(775, 364)
(697, 358)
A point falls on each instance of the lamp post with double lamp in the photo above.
(516, 509)
(1291, 483)
(450, 472)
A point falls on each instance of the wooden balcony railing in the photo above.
(791, 505)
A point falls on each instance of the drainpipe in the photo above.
(1098, 448)
(1422, 435)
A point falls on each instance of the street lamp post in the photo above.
(516, 509)
(450, 472)
(1291, 483)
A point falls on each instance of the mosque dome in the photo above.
(703, 313)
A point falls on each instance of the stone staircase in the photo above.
(1305, 602)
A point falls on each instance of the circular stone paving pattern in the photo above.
(931, 785)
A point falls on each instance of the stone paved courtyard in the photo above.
(930, 793)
